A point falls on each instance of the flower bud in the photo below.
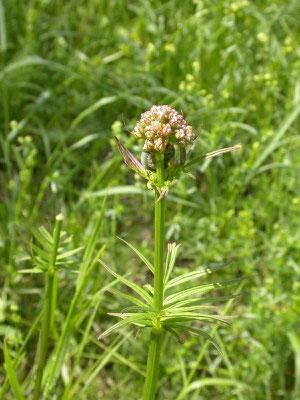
(161, 127)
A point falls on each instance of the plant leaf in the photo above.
(139, 309)
(46, 234)
(201, 301)
(126, 296)
(196, 290)
(39, 237)
(196, 274)
(119, 324)
(173, 332)
(295, 344)
(184, 309)
(206, 156)
(69, 253)
(150, 288)
(171, 258)
(195, 330)
(188, 316)
(142, 257)
(130, 284)
(130, 160)
(31, 271)
(210, 382)
(42, 253)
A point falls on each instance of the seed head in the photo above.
(163, 125)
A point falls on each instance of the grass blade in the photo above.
(273, 144)
(295, 343)
(94, 107)
(12, 376)
(211, 382)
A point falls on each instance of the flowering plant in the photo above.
(159, 307)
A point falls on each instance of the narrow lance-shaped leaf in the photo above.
(150, 288)
(206, 300)
(40, 252)
(196, 274)
(46, 234)
(206, 156)
(199, 384)
(129, 320)
(31, 271)
(171, 258)
(201, 289)
(39, 237)
(69, 253)
(135, 309)
(148, 314)
(173, 332)
(142, 257)
(190, 316)
(126, 296)
(172, 310)
(130, 160)
(146, 296)
(195, 330)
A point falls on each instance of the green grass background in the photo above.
(73, 74)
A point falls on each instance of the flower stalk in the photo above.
(157, 332)
(160, 216)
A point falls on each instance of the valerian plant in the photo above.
(164, 306)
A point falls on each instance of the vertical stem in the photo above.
(160, 216)
(48, 309)
(53, 299)
(68, 322)
(153, 364)
(157, 332)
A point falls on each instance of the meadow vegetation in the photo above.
(74, 74)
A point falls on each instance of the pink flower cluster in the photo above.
(163, 125)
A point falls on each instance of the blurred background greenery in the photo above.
(73, 74)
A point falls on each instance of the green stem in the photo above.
(160, 216)
(59, 350)
(157, 332)
(48, 309)
(53, 299)
(153, 364)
